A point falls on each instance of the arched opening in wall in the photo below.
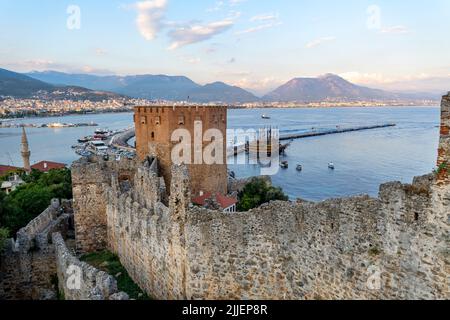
(153, 135)
(124, 183)
(416, 216)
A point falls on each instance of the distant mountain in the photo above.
(326, 87)
(155, 87)
(221, 92)
(21, 86)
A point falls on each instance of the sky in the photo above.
(255, 44)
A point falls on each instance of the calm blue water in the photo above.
(363, 159)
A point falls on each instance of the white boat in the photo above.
(331, 165)
(264, 116)
(284, 164)
(299, 167)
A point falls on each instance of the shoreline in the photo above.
(229, 107)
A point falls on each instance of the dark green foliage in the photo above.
(29, 200)
(110, 263)
(257, 192)
(442, 167)
(4, 234)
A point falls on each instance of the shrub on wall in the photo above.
(257, 192)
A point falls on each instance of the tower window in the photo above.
(153, 135)
(157, 120)
(143, 120)
(181, 120)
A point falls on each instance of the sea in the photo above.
(363, 159)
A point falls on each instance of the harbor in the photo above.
(106, 142)
(374, 156)
(54, 125)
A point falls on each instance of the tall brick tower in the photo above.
(154, 128)
(444, 144)
(25, 151)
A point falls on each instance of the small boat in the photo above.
(101, 131)
(284, 164)
(331, 166)
(299, 167)
(264, 116)
(84, 140)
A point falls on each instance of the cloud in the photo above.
(319, 41)
(258, 86)
(190, 59)
(190, 34)
(267, 21)
(259, 28)
(236, 2)
(150, 19)
(265, 17)
(217, 6)
(45, 65)
(395, 30)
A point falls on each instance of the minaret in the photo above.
(25, 151)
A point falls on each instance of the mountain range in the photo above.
(153, 87)
(328, 87)
(21, 86)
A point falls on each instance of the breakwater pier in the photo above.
(324, 132)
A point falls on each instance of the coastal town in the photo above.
(17, 108)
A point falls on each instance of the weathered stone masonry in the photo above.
(444, 145)
(28, 264)
(39, 263)
(392, 247)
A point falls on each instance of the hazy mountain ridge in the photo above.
(328, 87)
(21, 86)
(153, 87)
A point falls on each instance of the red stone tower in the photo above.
(154, 128)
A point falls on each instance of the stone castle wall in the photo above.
(88, 178)
(391, 247)
(80, 281)
(444, 145)
(28, 263)
(355, 248)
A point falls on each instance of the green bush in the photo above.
(4, 235)
(29, 200)
(257, 192)
(110, 263)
